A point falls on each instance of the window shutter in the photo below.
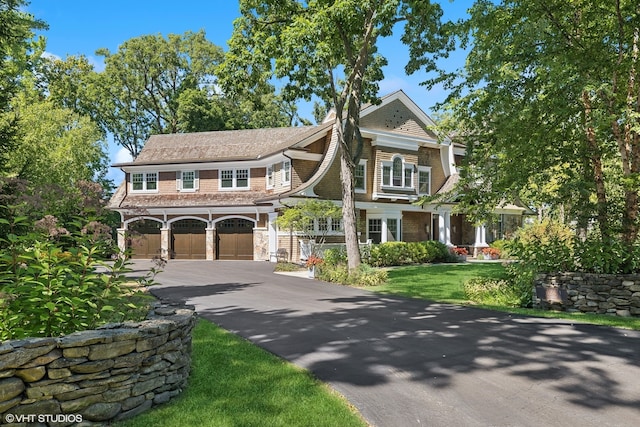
(178, 180)
(196, 180)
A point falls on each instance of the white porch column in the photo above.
(122, 241)
(444, 227)
(273, 235)
(165, 247)
(481, 239)
(210, 243)
(385, 236)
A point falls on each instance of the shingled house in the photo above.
(216, 195)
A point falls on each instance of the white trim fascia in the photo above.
(459, 151)
(202, 210)
(408, 197)
(303, 155)
(395, 140)
(245, 164)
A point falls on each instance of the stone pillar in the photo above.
(122, 240)
(481, 239)
(273, 236)
(210, 239)
(165, 247)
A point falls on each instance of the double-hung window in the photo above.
(360, 177)
(234, 179)
(286, 172)
(397, 174)
(270, 182)
(144, 181)
(424, 180)
(187, 181)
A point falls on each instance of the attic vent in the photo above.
(397, 121)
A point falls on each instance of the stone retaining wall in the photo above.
(616, 294)
(111, 373)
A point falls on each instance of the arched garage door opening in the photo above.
(234, 239)
(144, 239)
(188, 239)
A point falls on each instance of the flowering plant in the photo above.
(492, 252)
(460, 251)
(314, 260)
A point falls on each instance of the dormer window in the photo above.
(234, 179)
(187, 181)
(144, 181)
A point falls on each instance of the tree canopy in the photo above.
(549, 100)
(328, 49)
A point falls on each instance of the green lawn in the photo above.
(444, 283)
(235, 383)
(437, 282)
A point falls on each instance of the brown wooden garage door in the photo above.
(144, 239)
(188, 239)
(235, 239)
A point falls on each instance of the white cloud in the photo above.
(50, 55)
(392, 84)
(122, 156)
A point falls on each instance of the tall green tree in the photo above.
(550, 93)
(138, 93)
(57, 145)
(328, 48)
(16, 56)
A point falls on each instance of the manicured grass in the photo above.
(234, 383)
(437, 282)
(444, 283)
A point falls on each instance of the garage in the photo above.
(144, 239)
(188, 239)
(234, 239)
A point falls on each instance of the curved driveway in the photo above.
(408, 362)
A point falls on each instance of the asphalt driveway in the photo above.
(406, 362)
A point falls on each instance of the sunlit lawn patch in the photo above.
(234, 383)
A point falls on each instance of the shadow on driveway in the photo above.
(410, 362)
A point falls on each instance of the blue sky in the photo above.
(82, 27)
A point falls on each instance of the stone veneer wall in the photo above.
(616, 294)
(114, 372)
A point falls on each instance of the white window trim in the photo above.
(283, 173)
(362, 190)
(405, 166)
(424, 169)
(234, 180)
(180, 181)
(270, 177)
(144, 182)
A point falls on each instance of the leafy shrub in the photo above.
(544, 246)
(364, 275)
(390, 253)
(46, 290)
(594, 255)
(401, 253)
(335, 256)
(498, 292)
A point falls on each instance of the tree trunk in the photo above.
(595, 158)
(349, 221)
